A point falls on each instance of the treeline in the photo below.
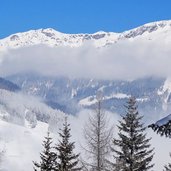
(130, 151)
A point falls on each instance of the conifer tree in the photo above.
(132, 149)
(48, 158)
(67, 160)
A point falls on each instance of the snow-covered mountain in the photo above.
(54, 38)
(32, 103)
(73, 95)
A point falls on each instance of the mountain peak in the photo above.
(162, 23)
(147, 28)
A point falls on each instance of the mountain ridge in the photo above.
(8, 85)
(54, 38)
(73, 95)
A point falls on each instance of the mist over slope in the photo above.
(22, 109)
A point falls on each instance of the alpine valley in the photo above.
(35, 95)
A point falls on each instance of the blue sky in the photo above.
(80, 16)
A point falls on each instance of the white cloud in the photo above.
(123, 60)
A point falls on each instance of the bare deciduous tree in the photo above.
(98, 136)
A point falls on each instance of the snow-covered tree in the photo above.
(168, 167)
(48, 158)
(132, 149)
(162, 126)
(98, 137)
(67, 160)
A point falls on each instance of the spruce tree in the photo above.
(48, 158)
(132, 149)
(67, 160)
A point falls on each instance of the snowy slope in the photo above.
(163, 121)
(165, 93)
(151, 31)
(26, 110)
(22, 144)
(24, 121)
